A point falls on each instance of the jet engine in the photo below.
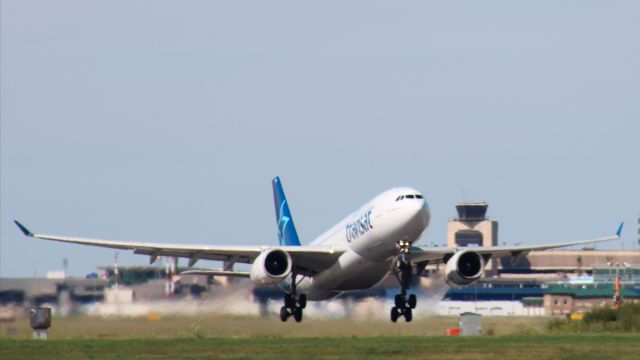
(270, 267)
(464, 267)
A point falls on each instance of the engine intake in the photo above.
(464, 267)
(271, 267)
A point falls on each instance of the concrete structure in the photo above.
(470, 324)
(472, 228)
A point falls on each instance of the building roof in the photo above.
(472, 211)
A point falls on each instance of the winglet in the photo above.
(619, 229)
(24, 229)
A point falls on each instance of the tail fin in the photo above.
(286, 230)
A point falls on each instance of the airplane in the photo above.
(357, 253)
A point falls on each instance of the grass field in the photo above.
(215, 326)
(520, 347)
(215, 336)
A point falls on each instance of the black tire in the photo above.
(412, 301)
(284, 313)
(297, 314)
(302, 301)
(394, 314)
(399, 301)
(408, 315)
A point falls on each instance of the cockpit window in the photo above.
(412, 196)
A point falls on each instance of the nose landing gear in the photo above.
(404, 304)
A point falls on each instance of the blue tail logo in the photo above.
(286, 229)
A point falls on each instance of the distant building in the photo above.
(566, 299)
(568, 261)
(498, 289)
(151, 282)
(472, 228)
(51, 291)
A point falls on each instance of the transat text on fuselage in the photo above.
(359, 227)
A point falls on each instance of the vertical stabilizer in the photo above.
(286, 230)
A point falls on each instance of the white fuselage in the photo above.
(371, 235)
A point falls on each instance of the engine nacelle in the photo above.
(271, 267)
(464, 267)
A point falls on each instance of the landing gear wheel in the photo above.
(394, 314)
(412, 301)
(297, 314)
(284, 313)
(408, 315)
(302, 301)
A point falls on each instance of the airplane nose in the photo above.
(423, 212)
(425, 207)
(404, 220)
(418, 214)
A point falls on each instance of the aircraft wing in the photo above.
(308, 258)
(435, 254)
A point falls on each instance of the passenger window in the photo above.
(409, 196)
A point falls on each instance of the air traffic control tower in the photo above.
(472, 228)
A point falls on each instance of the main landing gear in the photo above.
(403, 304)
(293, 303)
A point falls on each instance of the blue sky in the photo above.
(166, 121)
